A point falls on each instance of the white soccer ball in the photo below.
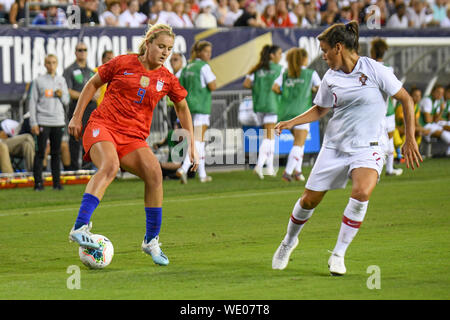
(97, 258)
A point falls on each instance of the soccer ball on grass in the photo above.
(97, 258)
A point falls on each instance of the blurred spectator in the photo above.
(157, 12)
(145, 6)
(52, 15)
(418, 15)
(446, 22)
(177, 18)
(262, 4)
(312, 15)
(13, 144)
(17, 12)
(111, 16)
(250, 17)
(233, 14)
(205, 18)
(131, 17)
(220, 12)
(399, 19)
(88, 12)
(298, 16)
(346, 15)
(268, 16)
(439, 10)
(331, 14)
(282, 15)
(176, 63)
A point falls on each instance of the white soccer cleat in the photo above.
(395, 172)
(280, 259)
(83, 236)
(299, 176)
(336, 265)
(206, 179)
(259, 172)
(182, 175)
(153, 249)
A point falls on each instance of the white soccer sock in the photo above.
(390, 156)
(292, 159)
(263, 151)
(200, 146)
(298, 166)
(297, 220)
(186, 163)
(270, 156)
(351, 221)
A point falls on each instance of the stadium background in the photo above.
(420, 57)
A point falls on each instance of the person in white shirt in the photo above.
(132, 17)
(176, 18)
(233, 14)
(417, 14)
(399, 20)
(110, 17)
(353, 88)
(206, 19)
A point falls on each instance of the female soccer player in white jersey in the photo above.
(353, 88)
(296, 86)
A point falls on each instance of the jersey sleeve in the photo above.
(207, 74)
(108, 70)
(324, 97)
(387, 81)
(177, 92)
(315, 80)
(426, 105)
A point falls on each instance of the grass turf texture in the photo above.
(220, 238)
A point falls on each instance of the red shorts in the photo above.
(96, 132)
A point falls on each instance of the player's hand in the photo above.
(411, 153)
(194, 158)
(280, 126)
(58, 93)
(75, 128)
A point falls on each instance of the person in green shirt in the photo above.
(199, 81)
(296, 86)
(265, 103)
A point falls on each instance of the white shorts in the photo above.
(390, 123)
(302, 127)
(200, 119)
(333, 168)
(264, 118)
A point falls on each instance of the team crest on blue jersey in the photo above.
(95, 132)
(159, 85)
(145, 81)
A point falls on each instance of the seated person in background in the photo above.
(170, 167)
(52, 15)
(110, 17)
(399, 133)
(132, 17)
(431, 109)
(17, 145)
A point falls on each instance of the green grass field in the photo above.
(220, 238)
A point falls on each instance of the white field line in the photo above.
(134, 203)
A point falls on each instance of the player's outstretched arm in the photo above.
(184, 115)
(75, 124)
(410, 150)
(313, 114)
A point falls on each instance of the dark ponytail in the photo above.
(264, 58)
(346, 34)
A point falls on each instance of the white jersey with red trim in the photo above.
(358, 104)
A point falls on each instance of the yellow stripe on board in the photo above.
(205, 34)
(236, 63)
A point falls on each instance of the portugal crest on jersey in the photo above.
(159, 85)
(145, 81)
(363, 79)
